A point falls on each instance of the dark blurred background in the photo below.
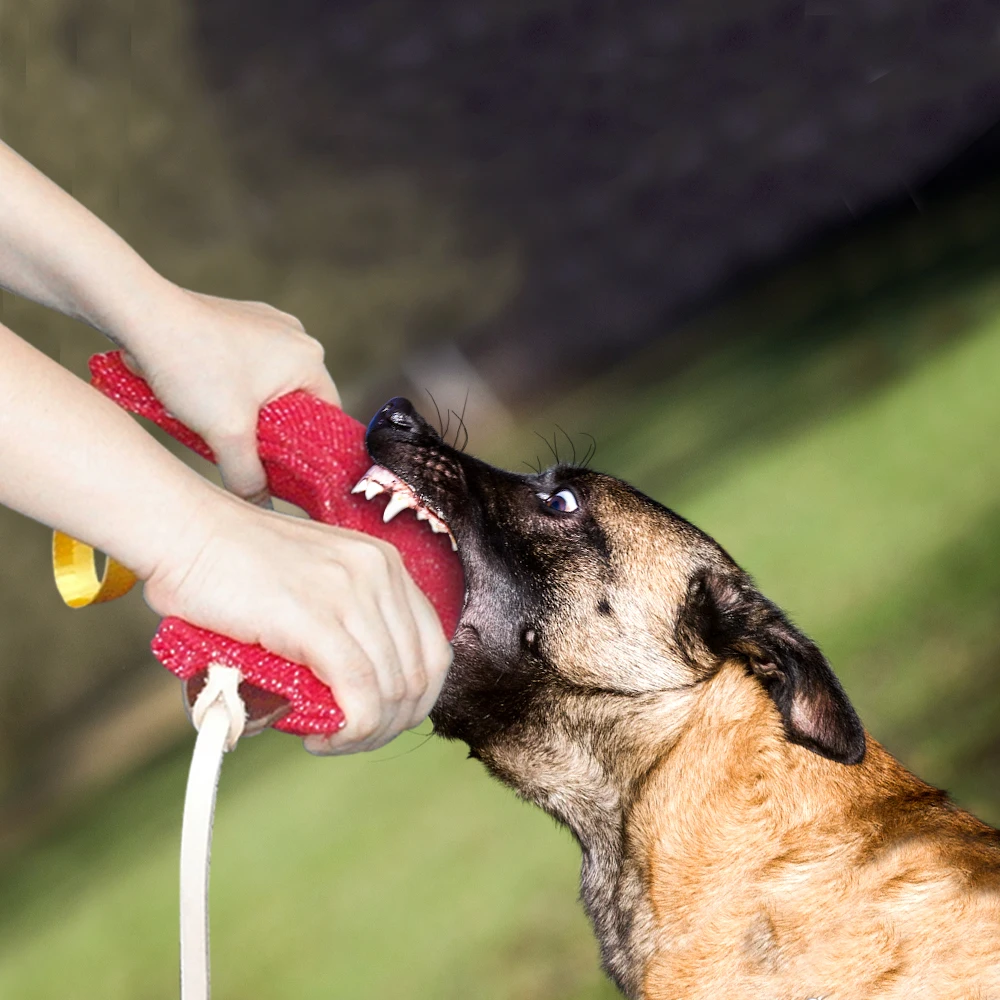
(752, 247)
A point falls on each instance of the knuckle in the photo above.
(392, 556)
(418, 675)
(441, 656)
(372, 557)
(231, 428)
(338, 575)
(385, 560)
(292, 320)
(312, 348)
(396, 690)
(365, 723)
(440, 666)
(419, 686)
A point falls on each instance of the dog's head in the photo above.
(581, 588)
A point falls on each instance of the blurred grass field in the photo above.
(870, 512)
(848, 458)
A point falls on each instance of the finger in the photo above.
(131, 363)
(346, 668)
(349, 609)
(241, 468)
(318, 381)
(381, 621)
(436, 651)
(317, 744)
(330, 745)
(372, 633)
(323, 387)
(364, 623)
(397, 606)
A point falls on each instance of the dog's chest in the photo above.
(617, 902)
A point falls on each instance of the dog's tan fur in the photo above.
(750, 866)
(742, 836)
(772, 871)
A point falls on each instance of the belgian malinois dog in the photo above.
(742, 835)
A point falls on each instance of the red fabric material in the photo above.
(313, 454)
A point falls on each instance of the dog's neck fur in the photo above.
(588, 771)
(691, 777)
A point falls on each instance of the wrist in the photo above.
(135, 315)
(181, 545)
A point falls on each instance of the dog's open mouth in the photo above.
(378, 480)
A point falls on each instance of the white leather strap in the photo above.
(219, 716)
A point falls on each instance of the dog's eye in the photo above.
(564, 501)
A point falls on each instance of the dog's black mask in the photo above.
(578, 584)
(512, 544)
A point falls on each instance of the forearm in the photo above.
(73, 460)
(57, 253)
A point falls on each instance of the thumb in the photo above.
(323, 386)
(241, 468)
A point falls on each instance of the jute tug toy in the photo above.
(314, 455)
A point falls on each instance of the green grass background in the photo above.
(847, 456)
(875, 522)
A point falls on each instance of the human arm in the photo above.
(339, 602)
(335, 600)
(213, 362)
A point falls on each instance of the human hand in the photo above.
(337, 601)
(212, 362)
(215, 362)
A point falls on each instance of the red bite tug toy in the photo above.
(313, 454)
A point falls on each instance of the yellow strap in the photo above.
(75, 571)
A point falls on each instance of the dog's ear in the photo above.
(727, 616)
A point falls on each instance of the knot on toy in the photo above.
(222, 688)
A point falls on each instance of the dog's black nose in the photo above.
(399, 415)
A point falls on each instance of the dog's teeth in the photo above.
(372, 489)
(422, 514)
(438, 527)
(454, 544)
(398, 502)
(382, 475)
(362, 485)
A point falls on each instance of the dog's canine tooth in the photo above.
(372, 489)
(397, 502)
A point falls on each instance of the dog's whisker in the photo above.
(551, 445)
(572, 443)
(437, 410)
(461, 418)
(406, 753)
(461, 428)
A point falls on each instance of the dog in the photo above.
(741, 834)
